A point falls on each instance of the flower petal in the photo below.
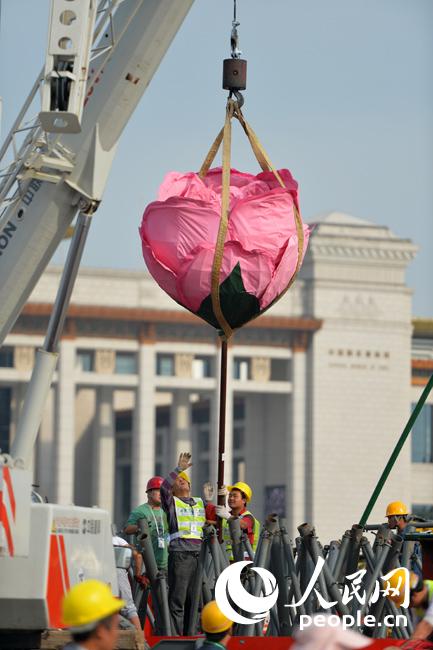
(285, 269)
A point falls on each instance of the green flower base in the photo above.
(237, 305)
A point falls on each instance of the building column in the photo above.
(297, 429)
(65, 425)
(104, 444)
(143, 438)
(180, 424)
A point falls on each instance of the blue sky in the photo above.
(339, 91)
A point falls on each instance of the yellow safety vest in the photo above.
(420, 611)
(190, 519)
(228, 540)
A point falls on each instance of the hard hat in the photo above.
(154, 483)
(242, 487)
(213, 620)
(393, 581)
(87, 603)
(185, 476)
(397, 508)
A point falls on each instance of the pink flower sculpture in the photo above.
(179, 233)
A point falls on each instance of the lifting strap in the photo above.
(224, 137)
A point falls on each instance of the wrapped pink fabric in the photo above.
(179, 233)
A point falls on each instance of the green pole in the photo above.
(396, 452)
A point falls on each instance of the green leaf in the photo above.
(237, 305)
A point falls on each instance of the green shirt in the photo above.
(158, 527)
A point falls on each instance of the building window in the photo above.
(123, 421)
(159, 444)
(203, 472)
(239, 409)
(241, 369)
(162, 416)
(203, 438)
(202, 367)
(123, 448)
(200, 412)
(423, 510)
(238, 436)
(85, 360)
(6, 357)
(279, 370)
(158, 469)
(422, 436)
(238, 470)
(126, 363)
(5, 418)
(165, 365)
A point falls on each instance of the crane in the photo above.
(101, 56)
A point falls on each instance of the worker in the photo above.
(398, 517)
(156, 519)
(239, 495)
(421, 595)
(91, 613)
(186, 518)
(424, 629)
(216, 626)
(129, 611)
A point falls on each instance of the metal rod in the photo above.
(157, 578)
(340, 563)
(398, 447)
(67, 282)
(46, 359)
(413, 522)
(222, 429)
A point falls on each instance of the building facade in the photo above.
(318, 391)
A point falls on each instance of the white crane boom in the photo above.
(53, 176)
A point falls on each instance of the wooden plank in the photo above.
(128, 640)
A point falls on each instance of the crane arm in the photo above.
(53, 176)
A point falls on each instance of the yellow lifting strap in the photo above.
(224, 136)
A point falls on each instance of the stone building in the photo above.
(319, 388)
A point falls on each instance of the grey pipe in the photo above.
(340, 563)
(308, 533)
(157, 578)
(197, 588)
(234, 524)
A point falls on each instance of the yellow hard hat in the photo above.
(243, 487)
(213, 620)
(87, 603)
(397, 508)
(393, 581)
(185, 476)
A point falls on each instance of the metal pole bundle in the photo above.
(157, 578)
(293, 567)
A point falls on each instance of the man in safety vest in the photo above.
(91, 613)
(186, 518)
(239, 495)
